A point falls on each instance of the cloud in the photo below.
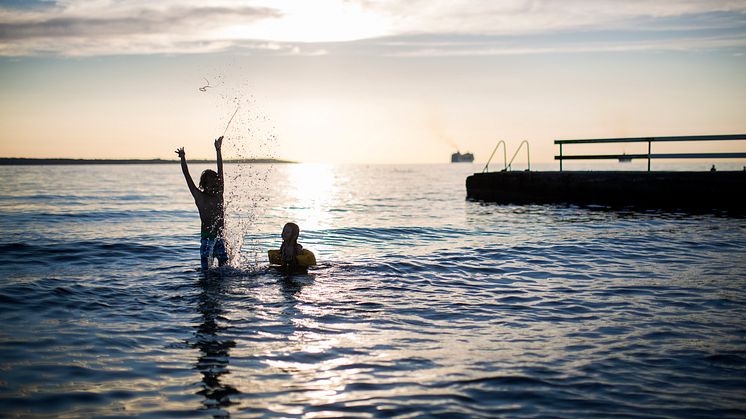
(537, 16)
(385, 27)
(437, 49)
(429, 28)
(175, 29)
(143, 21)
(26, 4)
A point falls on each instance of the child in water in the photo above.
(290, 247)
(209, 200)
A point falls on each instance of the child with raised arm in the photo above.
(209, 200)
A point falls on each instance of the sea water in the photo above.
(423, 303)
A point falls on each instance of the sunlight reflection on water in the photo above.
(312, 190)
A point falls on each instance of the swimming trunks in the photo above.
(210, 248)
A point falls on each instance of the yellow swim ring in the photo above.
(305, 259)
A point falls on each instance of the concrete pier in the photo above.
(696, 191)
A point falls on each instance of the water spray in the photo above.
(229, 121)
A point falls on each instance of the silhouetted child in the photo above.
(290, 248)
(209, 200)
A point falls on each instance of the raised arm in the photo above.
(185, 169)
(218, 146)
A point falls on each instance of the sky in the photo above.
(363, 81)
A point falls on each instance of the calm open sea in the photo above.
(423, 304)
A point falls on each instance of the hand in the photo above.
(219, 143)
(180, 152)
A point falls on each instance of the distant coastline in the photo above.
(18, 161)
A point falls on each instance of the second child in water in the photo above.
(291, 258)
(209, 200)
(290, 247)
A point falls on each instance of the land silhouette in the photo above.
(21, 161)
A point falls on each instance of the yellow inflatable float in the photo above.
(305, 259)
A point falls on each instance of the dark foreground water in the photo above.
(424, 304)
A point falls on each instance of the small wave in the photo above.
(43, 216)
(83, 251)
(83, 198)
(364, 235)
(728, 359)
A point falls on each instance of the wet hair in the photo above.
(290, 247)
(290, 232)
(208, 181)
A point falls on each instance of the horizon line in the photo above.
(20, 161)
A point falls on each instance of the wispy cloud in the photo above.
(142, 21)
(438, 49)
(69, 30)
(537, 16)
(387, 27)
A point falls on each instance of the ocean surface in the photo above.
(423, 304)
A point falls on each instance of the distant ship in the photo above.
(457, 157)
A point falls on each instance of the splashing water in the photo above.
(249, 134)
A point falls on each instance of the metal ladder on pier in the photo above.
(508, 166)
